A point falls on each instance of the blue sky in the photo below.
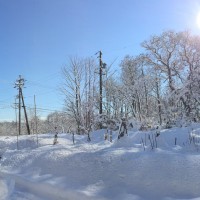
(38, 36)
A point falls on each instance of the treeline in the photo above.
(55, 119)
(160, 85)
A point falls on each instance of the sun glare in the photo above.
(198, 20)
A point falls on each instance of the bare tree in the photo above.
(78, 89)
(162, 53)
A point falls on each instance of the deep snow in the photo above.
(124, 169)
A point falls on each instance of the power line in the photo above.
(6, 100)
(119, 49)
(40, 94)
(45, 109)
(5, 82)
(7, 107)
(46, 78)
(40, 85)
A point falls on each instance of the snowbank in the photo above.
(128, 168)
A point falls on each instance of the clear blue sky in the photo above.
(37, 36)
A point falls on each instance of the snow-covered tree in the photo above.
(79, 91)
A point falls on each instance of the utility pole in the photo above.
(35, 114)
(100, 82)
(19, 84)
(35, 120)
(16, 122)
(101, 67)
(19, 112)
(26, 117)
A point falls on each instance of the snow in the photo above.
(101, 170)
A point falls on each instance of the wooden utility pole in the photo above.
(26, 117)
(19, 84)
(36, 120)
(19, 96)
(101, 67)
(100, 82)
(35, 115)
(16, 122)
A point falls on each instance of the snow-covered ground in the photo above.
(126, 169)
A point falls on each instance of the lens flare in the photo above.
(198, 20)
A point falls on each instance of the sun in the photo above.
(198, 19)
